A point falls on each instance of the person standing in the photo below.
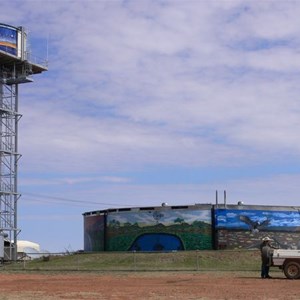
(266, 251)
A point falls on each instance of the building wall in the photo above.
(149, 229)
(94, 230)
(196, 227)
(159, 229)
(237, 227)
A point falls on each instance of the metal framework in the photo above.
(9, 157)
(13, 71)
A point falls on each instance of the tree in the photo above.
(179, 220)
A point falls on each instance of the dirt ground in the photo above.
(154, 286)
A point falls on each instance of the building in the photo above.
(193, 227)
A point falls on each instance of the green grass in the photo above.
(236, 260)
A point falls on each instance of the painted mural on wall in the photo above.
(256, 220)
(245, 228)
(94, 233)
(8, 39)
(159, 230)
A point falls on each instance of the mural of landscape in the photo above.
(159, 230)
(238, 228)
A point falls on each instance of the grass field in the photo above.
(237, 260)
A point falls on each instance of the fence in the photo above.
(226, 260)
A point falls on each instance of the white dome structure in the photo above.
(23, 246)
(28, 250)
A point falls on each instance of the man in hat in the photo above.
(266, 251)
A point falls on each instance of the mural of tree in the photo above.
(179, 220)
(114, 223)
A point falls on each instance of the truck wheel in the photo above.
(292, 270)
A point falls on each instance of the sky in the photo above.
(152, 101)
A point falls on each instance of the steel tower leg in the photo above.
(9, 157)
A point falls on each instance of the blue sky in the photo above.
(155, 101)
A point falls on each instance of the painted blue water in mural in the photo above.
(157, 242)
(256, 220)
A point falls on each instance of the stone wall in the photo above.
(234, 239)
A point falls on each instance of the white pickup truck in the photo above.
(288, 261)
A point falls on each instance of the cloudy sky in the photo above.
(151, 101)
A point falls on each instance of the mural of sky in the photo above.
(165, 217)
(257, 220)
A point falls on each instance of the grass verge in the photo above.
(226, 260)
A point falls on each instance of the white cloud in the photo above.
(143, 83)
